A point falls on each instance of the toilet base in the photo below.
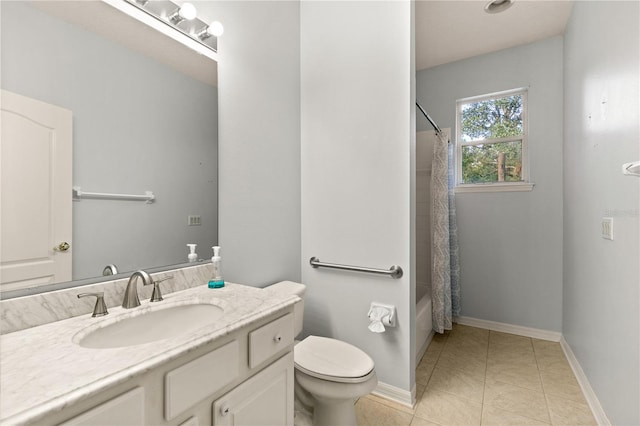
(332, 403)
(335, 412)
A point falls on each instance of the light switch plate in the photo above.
(607, 228)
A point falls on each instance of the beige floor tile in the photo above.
(372, 413)
(553, 362)
(457, 382)
(497, 338)
(448, 409)
(423, 373)
(568, 412)
(492, 416)
(419, 391)
(431, 355)
(542, 346)
(474, 351)
(516, 399)
(476, 367)
(560, 384)
(417, 421)
(515, 373)
(392, 404)
(511, 355)
(437, 343)
(469, 333)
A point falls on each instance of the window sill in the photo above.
(495, 187)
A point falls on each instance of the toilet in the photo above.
(329, 373)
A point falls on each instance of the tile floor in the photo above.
(471, 376)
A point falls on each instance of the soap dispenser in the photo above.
(193, 256)
(216, 280)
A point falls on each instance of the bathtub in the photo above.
(424, 329)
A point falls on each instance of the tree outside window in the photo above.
(491, 138)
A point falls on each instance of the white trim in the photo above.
(395, 394)
(596, 409)
(495, 187)
(536, 333)
(494, 95)
(524, 173)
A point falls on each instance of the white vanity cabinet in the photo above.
(244, 378)
(264, 399)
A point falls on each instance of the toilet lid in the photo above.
(330, 358)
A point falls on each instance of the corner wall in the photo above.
(259, 140)
(358, 147)
(601, 305)
(510, 242)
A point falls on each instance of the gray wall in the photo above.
(358, 145)
(138, 125)
(510, 243)
(601, 304)
(259, 80)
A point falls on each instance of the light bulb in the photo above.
(215, 29)
(187, 11)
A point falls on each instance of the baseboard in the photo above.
(395, 394)
(535, 333)
(596, 409)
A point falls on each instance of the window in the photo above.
(492, 142)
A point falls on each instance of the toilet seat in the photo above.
(332, 360)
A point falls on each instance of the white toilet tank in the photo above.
(289, 288)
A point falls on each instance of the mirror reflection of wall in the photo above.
(138, 125)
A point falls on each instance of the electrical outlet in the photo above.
(607, 228)
(193, 220)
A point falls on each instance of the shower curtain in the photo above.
(445, 269)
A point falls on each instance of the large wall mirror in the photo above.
(144, 118)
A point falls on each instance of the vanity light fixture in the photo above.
(215, 29)
(186, 11)
(497, 6)
(178, 21)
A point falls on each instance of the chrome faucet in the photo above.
(131, 299)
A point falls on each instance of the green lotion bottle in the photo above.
(216, 280)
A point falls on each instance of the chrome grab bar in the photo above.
(394, 272)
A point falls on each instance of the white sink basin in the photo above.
(149, 326)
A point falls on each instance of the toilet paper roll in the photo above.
(377, 316)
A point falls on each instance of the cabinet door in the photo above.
(265, 399)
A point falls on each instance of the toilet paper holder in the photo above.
(388, 318)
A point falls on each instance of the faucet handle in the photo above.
(156, 296)
(100, 308)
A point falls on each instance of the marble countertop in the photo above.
(42, 370)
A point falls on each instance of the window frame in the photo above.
(524, 184)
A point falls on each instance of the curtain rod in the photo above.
(435, 126)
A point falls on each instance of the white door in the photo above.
(35, 200)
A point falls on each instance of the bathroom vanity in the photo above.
(237, 369)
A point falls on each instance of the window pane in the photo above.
(498, 162)
(495, 118)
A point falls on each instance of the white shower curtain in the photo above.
(445, 269)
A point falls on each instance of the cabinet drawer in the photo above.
(270, 339)
(126, 409)
(189, 384)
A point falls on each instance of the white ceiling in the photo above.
(446, 30)
(450, 30)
